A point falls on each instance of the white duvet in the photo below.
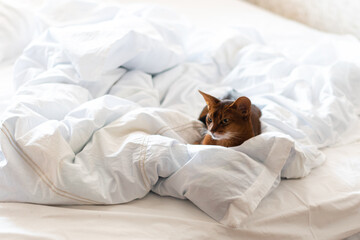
(106, 111)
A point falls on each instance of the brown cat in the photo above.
(229, 123)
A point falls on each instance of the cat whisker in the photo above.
(203, 132)
(213, 136)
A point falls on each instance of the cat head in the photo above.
(228, 120)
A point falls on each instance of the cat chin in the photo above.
(220, 136)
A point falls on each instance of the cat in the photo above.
(229, 122)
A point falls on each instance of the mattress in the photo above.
(322, 205)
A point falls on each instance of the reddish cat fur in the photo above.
(229, 123)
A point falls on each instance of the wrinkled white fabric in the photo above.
(18, 28)
(106, 112)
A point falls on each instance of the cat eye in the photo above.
(225, 121)
(209, 120)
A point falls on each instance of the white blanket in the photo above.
(106, 112)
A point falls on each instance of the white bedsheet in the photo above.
(170, 101)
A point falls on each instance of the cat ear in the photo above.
(210, 100)
(242, 104)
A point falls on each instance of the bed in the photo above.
(66, 137)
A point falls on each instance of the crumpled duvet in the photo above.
(106, 111)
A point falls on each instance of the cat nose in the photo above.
(213, 129)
